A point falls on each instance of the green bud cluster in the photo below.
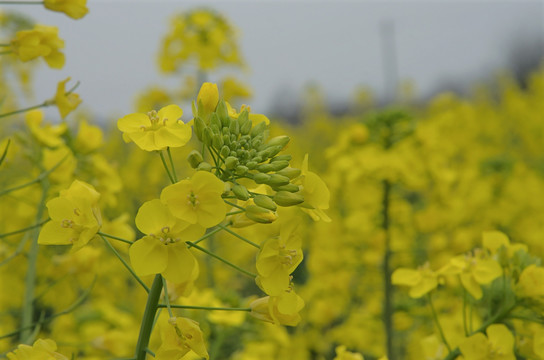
(243, 150)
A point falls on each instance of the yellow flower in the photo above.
(163, 250)
(283, 309)
(473, 270)
(531, 282)
(75, 217)
(420, 281)
(343, 354)
(47, 134)
(498, 345)
(66, 103)
(156, 131)
(315, 192)
(231, 88)
(208, 96)
(495, 240)
(197, 200)
(42, 349)
(42, 41)
(76, 9)
(278, 258)
(255, 118)
(180, 336)
(89, 137)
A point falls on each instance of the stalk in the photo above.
(149, 315)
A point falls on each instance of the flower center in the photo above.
(192, 200)
(165, 237)
(155, 121)
(287, 255)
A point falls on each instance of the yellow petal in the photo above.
(148, 256)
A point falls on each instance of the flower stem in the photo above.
(221, 259)
(167, 298)
(125, 263)
(24, 229)
(239, 236)
(388, 287)
(437, 322)
(172, 165)
(149, 315)
(21, 2)
(166, 167)
(115, 238)
(192, 307)
(44, 104)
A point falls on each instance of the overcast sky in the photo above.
(288, 44)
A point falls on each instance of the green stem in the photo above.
(5, 152)
(235, 212)
(6, 52)
(167, 298)
(172, 164)
(210, 234)
(221, 259)
(437, 322)
(17, 251)
(166, 168)
(149, 316)
(21, 2)
(192, 307)
(388, 286)
(150, 352)
(465, 327)
(125, 263)
(115, 238)
(239, 236)
(30, 279)
(234, 205)
(23, 230)
(40, 177)
(44, 104)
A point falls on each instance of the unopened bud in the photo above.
(207, 136)
(214, 121)
(217, 141)
(291, 173)
(234, 127)
(260, 214)
(277, 180)
(251, 165)
(199, 126)
(264, 168)
(208, 96)
(285, 198)
(281, 140)
(285, 157)
(258, 129)
(223, 113)
(265, 202)
(261, 178)
(288, 187)
(195, 158)
(225, 151)
(204, 166)
(279, 165)
(231, 162)
(240, 192)
(241, 170)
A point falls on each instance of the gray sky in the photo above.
(336, 44)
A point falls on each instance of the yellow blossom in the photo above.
(42, 349)
(42, 41)
(156, 130)
(343, 354)
(76, 9)
(75, 217)
(197, 200)
(283, 309)
(178, 337)
(66, 103)
(531, 282)
(47, 134)
(498, 345)
(208, 96)
(420, 281)
(315, 192)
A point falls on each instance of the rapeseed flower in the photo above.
(42, 349)
(497, 345)
(66, 103)
(42, 41)
(178, 337)
(76, 9)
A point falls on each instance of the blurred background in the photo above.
(287, 46)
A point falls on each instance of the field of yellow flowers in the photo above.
(215, 232)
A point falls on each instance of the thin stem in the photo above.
(388, 287)
(30, 279)
(24, 229)
(5, 152)
(40, 177)
(234, 205)
(115, 238)
(21, 2)
(172, 164)
(465, 327)
(437, 322)
(44, 104)
(239, 236)
(166, 168)
(204, 237)
(235, 212)
(167, 298)
(6, 52)
(148, 350)
(125, 263)
(193, 307)
(17, 251)
(148, 319)
(221, 259)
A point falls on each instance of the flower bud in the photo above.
(208, 96)
(217, 141)
(195, 158)
(225, 151)
(260, 214)
(285, 198)
(223, 113)
(285, 157)
(261, 178)
(214, 121)
(258, 129)
(231, 162)
(226, 139)
(279, 165)
(240, 192)
(288, 187)
(199, 126)
(265, 202)
(234, 127)
(251, 165)
(241, 170)
(245, 123)
(277, 180)
(291, 173)
(207, 136)
(264, 168)
(204, 166)
(281, 140)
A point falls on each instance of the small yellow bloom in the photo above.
(420, 281)
(75, 217)
(232, 88)
(197, 200)
(531, 282)
(42, 349)
(47, 134)
(179, 336)
(42, 41)
(208, 96)
(283, 309)
(498, 345)
(66, 103)
(156, 130)
(89, 137)
(255, 118)
(343, 354)
(76, 9)
(163, 250)
(315, 192)
(495, 240)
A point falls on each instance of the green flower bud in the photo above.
(285, 198)
(195, 158)
(277, 180)
(285, 157)
(265, 202)
(199, 126)
(225, 131)
(225, 151)
(261, 178)
(217, 141)
(241, 170)
(240, 192)
(264, 168)
(258, 129)
(256, 142)
(222, 112)
(226, 139)
(257, 159)
(290, 172)
(270, 151)
(279, 165)
(251, 165)
(260, 214)
(234, 127)
(214, 121)
(281, 140)
(245, 123)
(207, 136)
(204, 166)
(289, 187)
(231, 162)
